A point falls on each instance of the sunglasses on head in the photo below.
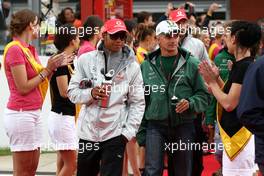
(119, 35)
(172, 34)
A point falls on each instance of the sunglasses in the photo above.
(173, 34)
(119, 35)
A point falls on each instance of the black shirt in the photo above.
(230, 122)
(60, 104)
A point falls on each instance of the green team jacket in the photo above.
(186, 83)
(221, 62)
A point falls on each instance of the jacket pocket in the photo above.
(158, 108)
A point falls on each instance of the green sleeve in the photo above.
(201, 98)
(210, 113)
(221, 62)
(141, 134)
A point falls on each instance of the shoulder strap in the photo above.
(43, 86)
(70, 69)
(35, 65)
(13, 43)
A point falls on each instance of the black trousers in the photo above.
(105, 157)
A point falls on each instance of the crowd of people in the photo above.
(137, 91)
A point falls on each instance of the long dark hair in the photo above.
(65, 34)
(247, 35)
(93, 22)
(61, 16)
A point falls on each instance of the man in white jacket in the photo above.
(104, 131)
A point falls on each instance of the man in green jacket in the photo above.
(174, 92)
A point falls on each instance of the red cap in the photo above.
(177, 15)
(113, 26)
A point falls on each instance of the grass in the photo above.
(5, 151)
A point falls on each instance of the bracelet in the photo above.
(48, 70)
(42, 77)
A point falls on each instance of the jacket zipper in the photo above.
(167, 94)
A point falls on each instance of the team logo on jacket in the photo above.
(120, 76)
(181, 71)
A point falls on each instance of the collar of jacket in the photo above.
(128, 56)
(184, 56)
